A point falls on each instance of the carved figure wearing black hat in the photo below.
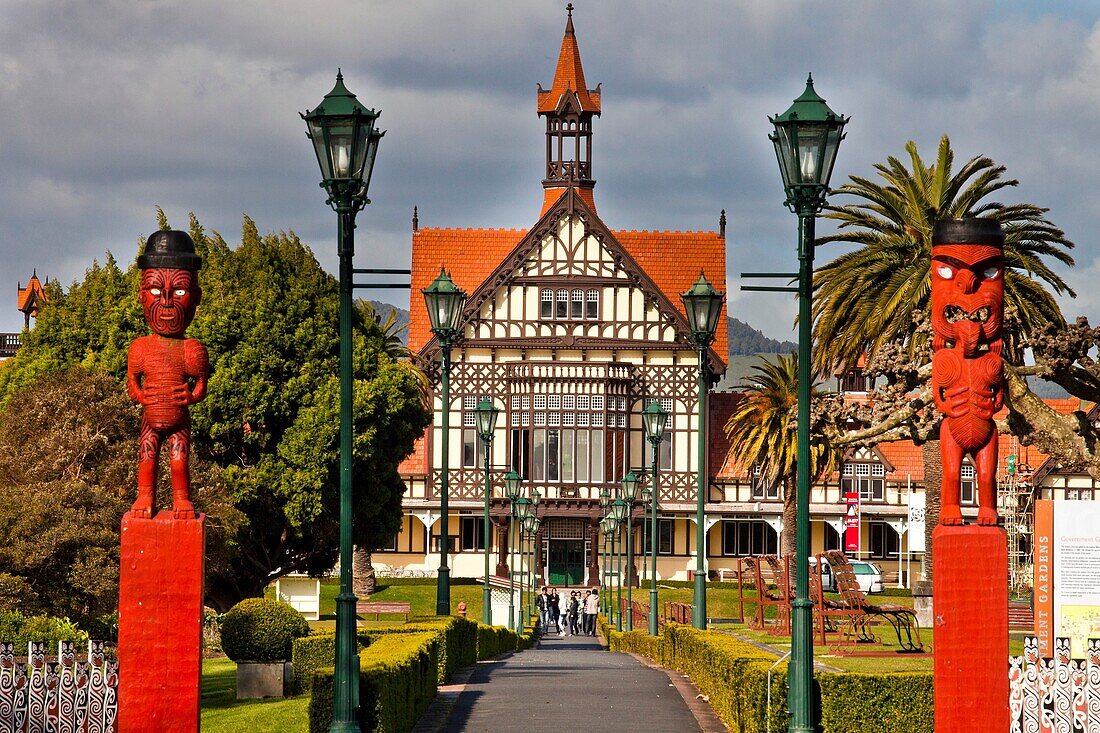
(166, 372)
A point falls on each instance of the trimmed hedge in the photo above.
(401, 667)
(397, 681)
(734, 674)
(460, 637)
(311, 653)
(459, 647)
(261, 630)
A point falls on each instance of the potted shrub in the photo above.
(258, 634)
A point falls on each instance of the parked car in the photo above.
(868, 576)
(828, 579)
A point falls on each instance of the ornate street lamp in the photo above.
(345, 141)
(703, 305)
(605, 503)
(618, 515)
(626, 517)
(806, 138)
(512, 482)
(486, 413)
(532, 524)
(654, 418)
(445, 302)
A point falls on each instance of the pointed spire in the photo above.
(416, 220)
(569, 76)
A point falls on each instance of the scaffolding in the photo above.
(1016, 505)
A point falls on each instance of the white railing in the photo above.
(66, 696)
(1055, 695)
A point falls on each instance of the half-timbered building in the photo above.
(571, 328)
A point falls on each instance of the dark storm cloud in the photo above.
(112, 108)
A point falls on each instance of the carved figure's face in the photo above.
(968, 294)
(169, 298)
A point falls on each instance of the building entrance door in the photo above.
(566, 562)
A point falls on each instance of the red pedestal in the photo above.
(970, 603)
(160, 624)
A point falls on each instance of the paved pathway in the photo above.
(566, 685)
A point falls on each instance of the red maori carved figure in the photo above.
(967, 370)
(166, 372)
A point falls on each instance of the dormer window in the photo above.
(569, 305)
(868, 479)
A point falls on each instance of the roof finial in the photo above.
(722, 223)
(569, 9)
(416, 219)
(569, 19)
(810, 78)
(339, 74)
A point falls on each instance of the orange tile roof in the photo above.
(719, 408)
(31, 297)
(695, 252)
(416, 463)
(569, 76)
(551, 196)
(471, 255)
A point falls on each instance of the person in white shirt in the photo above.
(591, 609)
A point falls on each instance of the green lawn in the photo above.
(223, 713)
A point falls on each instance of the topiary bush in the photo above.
(261, 630)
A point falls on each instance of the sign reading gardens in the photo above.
(1067, 565)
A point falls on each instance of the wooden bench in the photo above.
(365, 607)
(726, 575)
(773, 572)
(856, 612)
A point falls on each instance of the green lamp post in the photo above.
(806, 138)
(630, 494)
(605, 503)
(345, 140)
(653, 418)
(533, 524)
(444, 301)
(518, 509)
(703, 305)
(486, 413)
(645, 498)
(618, 514)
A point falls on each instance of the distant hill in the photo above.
(740, 366)
(383, 310)
(746, 340)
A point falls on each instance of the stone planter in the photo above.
(264, 679)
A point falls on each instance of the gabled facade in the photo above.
(571, 328)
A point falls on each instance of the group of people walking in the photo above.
(569, 615)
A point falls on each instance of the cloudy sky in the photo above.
(108, 109)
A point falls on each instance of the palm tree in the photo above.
(867, 298)
(763, 434)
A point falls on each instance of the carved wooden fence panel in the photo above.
(1057, 695)
(66, 696)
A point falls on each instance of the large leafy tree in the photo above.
(763, 434)
(269, 422)
(874, 300)
(67, 447)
